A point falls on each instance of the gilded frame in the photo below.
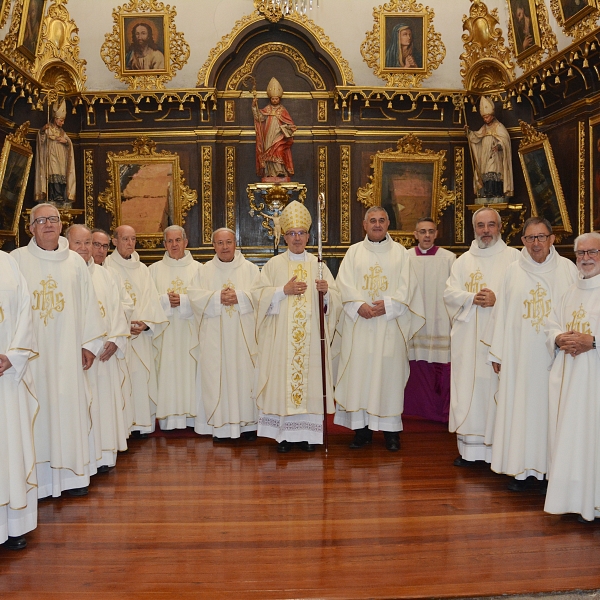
(158, 23)
(411, 169)
(128, 175)
(15, 164)
(520, 52)
(542, 180)
(418, 25)
(568, 19)
(30, 27)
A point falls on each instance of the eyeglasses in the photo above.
(531, 238)
(590, 253)
(42, 220)
(99, 245)
(296, 234)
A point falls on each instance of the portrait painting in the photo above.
(31, 27)
(574, 10)
(144, 43)
(15, 163)
(404, 42)
(525, 29)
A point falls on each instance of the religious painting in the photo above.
(543, 183)
(595, 174)
(525, 28)
(15, 163)
(403, 42)
(409, 184)
(144, 43)
(146, 190)
(30, 27)
(573, 11)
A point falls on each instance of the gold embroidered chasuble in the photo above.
(373, 367)
(228, 349)
(288, 378)
(176, 362)
(66, 318)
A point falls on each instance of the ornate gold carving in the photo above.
(322, 111)
(345, 187)
(181, 197)
(5, 13)
(581, 203)
(226, 42)
(578, 26)
(177, 50)
(88, 160)
(530, 135)
(57, 63)
(322, 188)
(230, 187)
(528, 60)
(373, 47)
(8, 46)
(486, 63)
(459, 190)
(20, 136)
(229, 111)
(273, 11)
(272, 48)
(206, 170)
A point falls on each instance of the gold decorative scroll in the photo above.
(582, 174)
(88, 160)
(345, 187)
(579, 25)
(322, 189)
(206, 170)
(459, 190)
(230, 187)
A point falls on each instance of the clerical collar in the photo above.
(297, 257)
(385, 239)
(429, 252)
(44, 249)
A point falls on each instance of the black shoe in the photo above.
(250, 436)
(306, 446)
(461, 462)
(220, 440)
(584, 521)
(77, 492)
(362, 437)
(284, 447)
(103, 469)
(520, 485)
(15, 543)
(139, 435)
(543, 487)
(392, 440)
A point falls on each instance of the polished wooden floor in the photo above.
(182, 518)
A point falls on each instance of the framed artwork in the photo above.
(543, 183)
(144, 43)
(573, 11)
(403, 41)
(15, 164)
(409, 184)
(31, 27)
(524, 27)
(146, 190)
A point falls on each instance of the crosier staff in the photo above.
(320, 207)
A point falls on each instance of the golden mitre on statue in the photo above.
(274, 88)
(295, 216)
(59, 111)
(486, 106)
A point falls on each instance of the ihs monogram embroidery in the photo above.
(130, 291)
(47, 301)
(474, 286)
(375, 282)
(177, 287)
(537, 308)
(299, 321)
(230, 309)
(578, 324)
(102, 311)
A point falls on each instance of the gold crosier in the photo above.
(537, 308)
(47, 300)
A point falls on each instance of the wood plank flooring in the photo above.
(182, 518)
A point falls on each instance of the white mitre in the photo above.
(295, 216)
(486, 106)
(274, 88)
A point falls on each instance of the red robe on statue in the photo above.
(274, 141)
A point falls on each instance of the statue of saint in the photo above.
(274, 137)
(492, 155)
(55, 161)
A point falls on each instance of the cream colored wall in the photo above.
(345, 22)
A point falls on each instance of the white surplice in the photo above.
(66, 318)
(135, 278)
(227, 350)
(18, 405)
(176, 362)
(107, 379)
(473, 382)
(517, 340)
(373, 367)
(288, 384)
(574, 477)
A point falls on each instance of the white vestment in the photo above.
(432, 342)
(135, 278)
(574, 477)
(227, 348)
(517, 340)
(18, 406)
(176, 363)
(107, 379)
(473, 382)
(66, 318)
(373, 367)
(288, 383)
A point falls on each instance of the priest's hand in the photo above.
(366, 311)
(109, 349)
(5, 364)
(496, 366)
(87, 359)
(485, 298)
(322, 285)
(138, 327)
(174, 299)
(574, 343)
(378, 308)
(228, 297)
(294, 288)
